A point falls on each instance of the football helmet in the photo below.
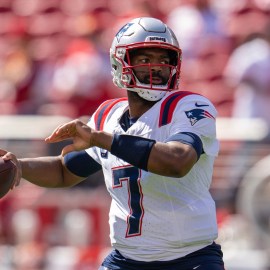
(142, 33)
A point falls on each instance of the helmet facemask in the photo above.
(155, 84)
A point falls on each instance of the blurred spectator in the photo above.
(245, 18)
(16, 72)
(206, 50)
(192, 22)
(8, 95)
(248, 71)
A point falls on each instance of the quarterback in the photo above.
(156, 148)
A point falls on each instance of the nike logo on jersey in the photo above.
(196, 267)
(197, 114)
(201, 105)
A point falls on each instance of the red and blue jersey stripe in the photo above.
(168, 106)
(104, 110)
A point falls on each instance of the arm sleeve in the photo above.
(190, 139)
(81, 164)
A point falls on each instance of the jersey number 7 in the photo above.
(132, 176)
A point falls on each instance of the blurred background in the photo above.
(54, 66)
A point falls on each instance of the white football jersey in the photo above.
(154, 217)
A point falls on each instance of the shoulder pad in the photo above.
(103, 111)
(168, 106)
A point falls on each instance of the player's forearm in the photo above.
(43, 171)
(102, 139)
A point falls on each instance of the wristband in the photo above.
(132, 149)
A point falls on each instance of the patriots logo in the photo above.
(197, 114)
(122, 31)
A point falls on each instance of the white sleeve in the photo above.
(197, 115)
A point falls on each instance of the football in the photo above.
(7, 174)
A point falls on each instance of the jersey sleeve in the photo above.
(196, 114)
(103, 112)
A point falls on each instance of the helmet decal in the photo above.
(122, 31)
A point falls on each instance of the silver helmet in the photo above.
(145, 32)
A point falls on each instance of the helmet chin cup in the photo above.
(151, 95)
(142, 33)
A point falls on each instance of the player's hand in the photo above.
(10, 156)
(80, 133)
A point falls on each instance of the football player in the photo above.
(156, 148)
